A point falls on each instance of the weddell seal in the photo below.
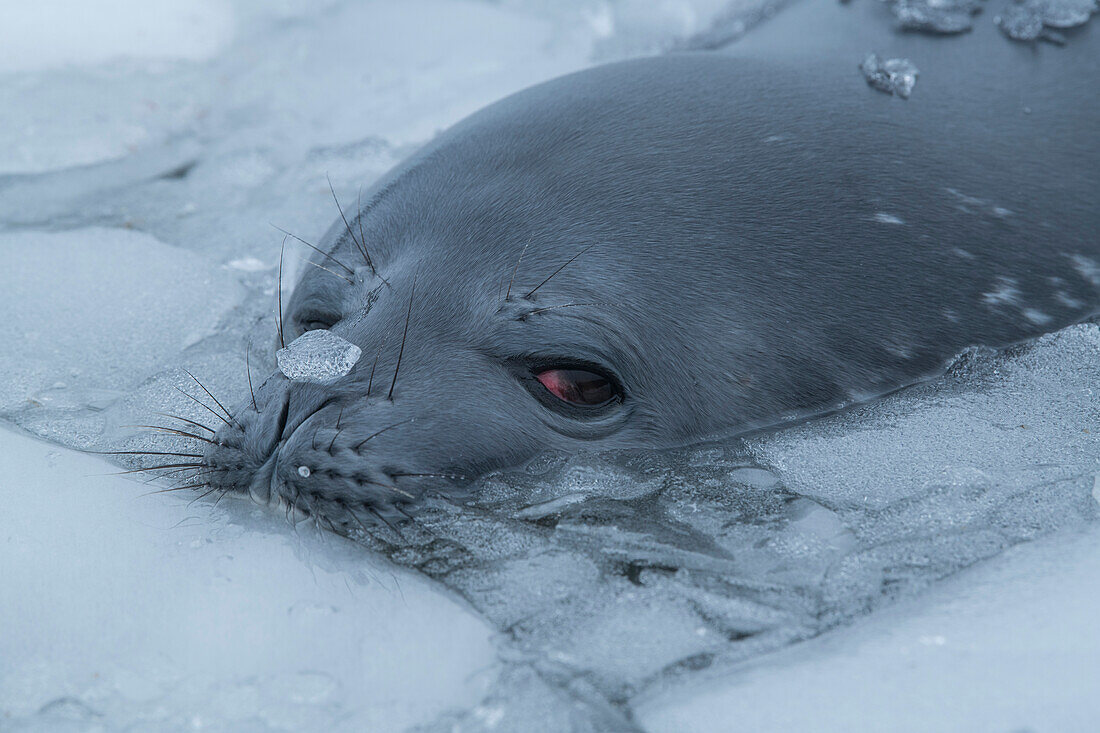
(659, 251)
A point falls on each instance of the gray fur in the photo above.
(769, 238)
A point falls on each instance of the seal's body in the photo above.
(659, 251)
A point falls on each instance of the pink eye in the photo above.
(577, 386)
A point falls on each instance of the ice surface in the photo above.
(317, 356)
(128, 611)
(1008, 646)
(148, 185)
(893, 76)
(936, 16)
(1028, 20)
(635, 572)
(59, 33)
(88, 313)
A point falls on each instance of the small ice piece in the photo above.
(1028, 20)
(893, 76)
(317, 356)
(936, 16)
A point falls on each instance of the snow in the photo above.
(124, 609)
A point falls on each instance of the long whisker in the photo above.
(386, 522)
(567, 305)
(349, 281)
(279, 295)
(315, 248)
(555, 272)
(204, 406)
(361, 246)
(210, 394)
(388, 427)
(428, 475)
(156, 468)
(515, 269)
(370, 380)
(248, 373)
(184, 419)
(202, 496)
(173, 431)
(144, 453)
(404, 336)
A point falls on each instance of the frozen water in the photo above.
(125, 610)
(734, 550)
(936, 16)
(90, 312)
(148, 185)
(893, 76)
(317, 356)
(1009, 646)
(1028, 20)
(1022, 20)
(69, 33)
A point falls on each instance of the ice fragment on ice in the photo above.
(893, 76)
(1027, 20)
(317, 356)
(936, 16)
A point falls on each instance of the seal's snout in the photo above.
(316, 450)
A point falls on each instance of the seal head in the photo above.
(656, 252)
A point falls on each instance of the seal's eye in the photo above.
(578, 386)
(316, 320)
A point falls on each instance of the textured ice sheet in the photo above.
(608, 577)
(128, 611)
(617, 576)
(88, 313)
(1008, 646)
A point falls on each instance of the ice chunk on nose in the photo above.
(318, 356)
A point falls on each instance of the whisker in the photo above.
(370, 380)
(390, 487)
(315, 248)
(331, 272)
(220, 497)
(555, 272)
(144, 453)
(210, 394)
(404, 336)
(189, 422)
(204, 405)
(515, 269)
(388, 427)
(202, 495)
(168, 491)
(173, 431)
(429, 475)
(362, 247)
(155, 468)
(555, 307)
(386, 522)
(248, 373)
(279, 295)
